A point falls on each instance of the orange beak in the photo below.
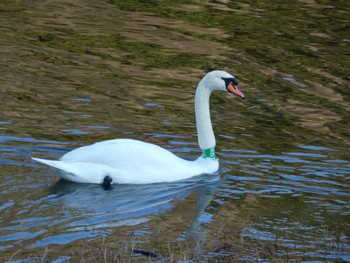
(233, 89)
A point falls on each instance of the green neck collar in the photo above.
(209, 153)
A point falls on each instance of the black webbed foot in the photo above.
(107, 183)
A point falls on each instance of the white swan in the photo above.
(126, 161)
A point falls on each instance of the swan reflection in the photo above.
(90, 208)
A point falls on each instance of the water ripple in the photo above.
(296, 191)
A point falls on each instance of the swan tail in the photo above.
(56, 164)
(79, 172)
(66, 171)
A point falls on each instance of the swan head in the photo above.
(221, 80)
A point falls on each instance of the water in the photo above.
(73, 73)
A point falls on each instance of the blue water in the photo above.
(301, 199)
(77, 72)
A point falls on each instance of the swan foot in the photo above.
(107, 183)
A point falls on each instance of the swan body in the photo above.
(127, 161)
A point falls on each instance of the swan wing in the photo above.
(124, 154)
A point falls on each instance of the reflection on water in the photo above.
(76, 72)
(297, 193)
(303, 203)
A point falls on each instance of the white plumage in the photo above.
(129, 161)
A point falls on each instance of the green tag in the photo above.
(209, 153)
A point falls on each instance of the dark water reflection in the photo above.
(76, 72)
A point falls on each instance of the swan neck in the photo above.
(206, 138)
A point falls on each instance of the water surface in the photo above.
(73, 73)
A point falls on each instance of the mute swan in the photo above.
(127, 161)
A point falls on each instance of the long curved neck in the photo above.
(206, 138)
